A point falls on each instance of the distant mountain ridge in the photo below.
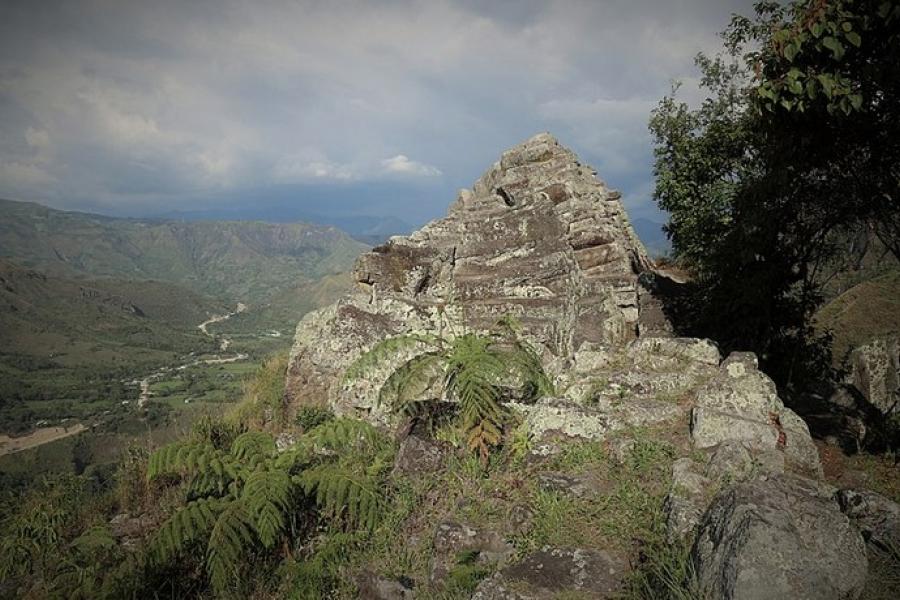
(236, 260)
(369, 229)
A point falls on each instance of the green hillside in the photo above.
(234, 260)
(89, 303)
(867, 310)
(70, 322)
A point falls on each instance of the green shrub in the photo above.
(310, 417)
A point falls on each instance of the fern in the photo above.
(267, 495)
(340, 493)
(253, 444)
(385, 350)
(180, 458)
(474, 369)
(229, 539)
(342, 435)
(188, 526)
(420, 371)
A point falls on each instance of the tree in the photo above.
(469, 370)
(796, 147)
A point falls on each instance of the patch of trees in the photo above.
(795, 150)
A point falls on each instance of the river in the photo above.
(224, 343)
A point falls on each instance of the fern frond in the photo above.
(344, 435)
(386, 349)
(218, 473)
(267, 495)
(340, 493)
(229, 540)
(413, 377)
(298, 456)
(253, 444)
(524, 362)
(181, 458)
(482, 436)
(189, 525)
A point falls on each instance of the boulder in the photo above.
(876, 373)
(538, 238)
(741, 403)
(375, 587)
(686, 500)
(874, 515)
(548, 573)
(564, 417)
(579, 486)
(418, 455)
(782, 537)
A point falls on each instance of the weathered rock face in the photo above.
(741, 403)
(538, 237)
(780, 538)
(876, 373)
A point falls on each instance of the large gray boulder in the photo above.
(784, 537)
(876, 373)
(741, 403)
(538, 237)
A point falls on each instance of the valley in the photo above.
(120, 330)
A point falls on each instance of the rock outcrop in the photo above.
(741, 403)
(876, 373)
(784, 537)
(538, 238)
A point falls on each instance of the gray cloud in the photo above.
(151, 106)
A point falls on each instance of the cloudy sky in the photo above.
(143, 108)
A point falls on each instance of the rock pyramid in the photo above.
(538, 237)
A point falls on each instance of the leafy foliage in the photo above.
(262, 399)
(471, 370)
(190, 525)
(248, 500)
(344, 494)
(794, 151)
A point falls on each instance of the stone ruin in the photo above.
(538, 237)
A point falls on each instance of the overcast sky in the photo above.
(360, 107)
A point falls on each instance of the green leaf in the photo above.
(855, 101)
(827, 82)
(847, 26)
(811, 88)
(854, 39)
(817, 29)
(790, 51)
(836, 47)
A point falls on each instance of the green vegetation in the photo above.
(91, 304)
(241, 260)
(792, 155)
(470, 369)
(249, 498)
(221, 512)
(865, 311)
